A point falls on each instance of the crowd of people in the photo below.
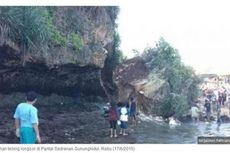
(214, 101)
(120, 115)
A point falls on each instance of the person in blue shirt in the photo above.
(26, 120)
(132, 111)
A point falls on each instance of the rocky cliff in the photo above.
(62, 69)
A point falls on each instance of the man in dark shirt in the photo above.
(207, 105)
(133, 110)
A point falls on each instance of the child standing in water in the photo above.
(218, 110)
(195, 113)
(113, 117)
(26, 120)
(207, 105)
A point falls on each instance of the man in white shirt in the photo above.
(195, 113)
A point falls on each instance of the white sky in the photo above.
(199, 29)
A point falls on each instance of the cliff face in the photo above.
(62, 69)
(95, 25)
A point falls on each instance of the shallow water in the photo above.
(162, 133)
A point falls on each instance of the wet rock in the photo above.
(73, 125)
(70, 80)
(185, 119)
(225, 119)
(204, 118)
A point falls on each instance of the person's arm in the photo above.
(17, 125)
(34, 121)
(17, 122)
(36, 129)
(197, 110)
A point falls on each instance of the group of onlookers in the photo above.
(213, 103)
(119, 114)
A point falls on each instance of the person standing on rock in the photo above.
(133, 108)
(195, 113)
(224, 97)
(26, 120)
(218, 111)
(207, 105)
(220, 98)
(229, 104)
(106, 110)
(127, 105)
(124, 119)
(113, 117)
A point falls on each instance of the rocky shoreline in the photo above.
(62, 123)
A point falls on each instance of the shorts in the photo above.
(27, 135)
(113, 124)
(133, 114)
(123, 125)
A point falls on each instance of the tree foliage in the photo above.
(181, 79)
(117, 56)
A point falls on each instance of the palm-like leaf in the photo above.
(26, 26)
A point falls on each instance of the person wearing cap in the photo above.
(26, 120)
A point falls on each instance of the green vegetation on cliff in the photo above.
(26, 26)
(54, 35)
(34, 29)
(181, 80)
(117, 55)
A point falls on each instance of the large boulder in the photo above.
(133, 79)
